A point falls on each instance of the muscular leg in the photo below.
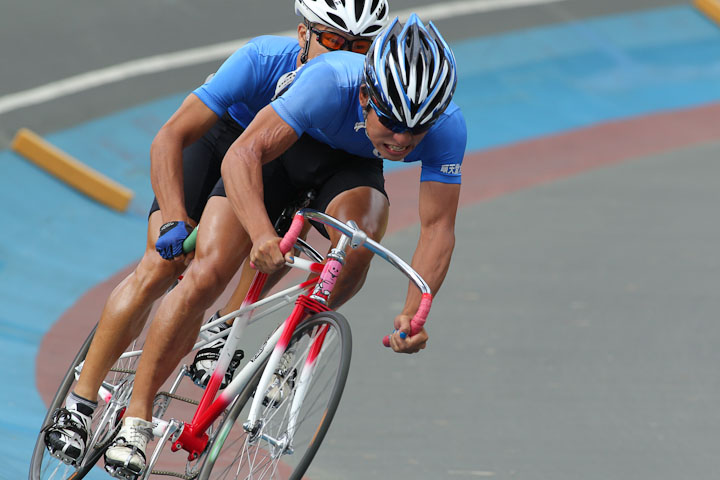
(126, 311)
(221, 247)
(369, 208)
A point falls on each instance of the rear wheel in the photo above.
(116, 395)
(289, 432)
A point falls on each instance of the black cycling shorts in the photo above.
(201, 165)
(310, 165)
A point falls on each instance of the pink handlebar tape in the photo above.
(291, 236)
(418, 321)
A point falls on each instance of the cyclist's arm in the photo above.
(438, 205)
(266, 138)
(188, 123)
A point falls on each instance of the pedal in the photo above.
(60, 455)
(121, 472)
(63, 427)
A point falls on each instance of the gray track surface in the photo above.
(576, 334)
(575, 338)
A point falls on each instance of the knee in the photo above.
(208, 278)
(374, 226)
(368, 207)
(153, 272)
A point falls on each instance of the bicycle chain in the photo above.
(172, 474)
(177, 397)
(123, 370)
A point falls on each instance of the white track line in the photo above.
(220, 51)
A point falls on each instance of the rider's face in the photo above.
(392, 146)
(332, 42)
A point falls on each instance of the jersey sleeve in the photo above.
(234, 81)
(311, 100)
(443, 153)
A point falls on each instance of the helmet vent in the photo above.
(382, 11)
(339, 21)
(359, 10)
(395, 98)
(330, 3)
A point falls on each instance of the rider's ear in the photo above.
(364, 97)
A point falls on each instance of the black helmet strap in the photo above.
(306, 48)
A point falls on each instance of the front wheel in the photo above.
(297, 413)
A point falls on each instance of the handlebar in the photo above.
(189, 242)
(359, 238)
(418, 320)
(285, 244)
(292, 234)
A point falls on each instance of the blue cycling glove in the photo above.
(170, 243)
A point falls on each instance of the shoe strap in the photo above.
(67, 420)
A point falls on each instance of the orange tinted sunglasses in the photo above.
(335, 41)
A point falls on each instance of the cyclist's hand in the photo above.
(402, 342)
(266, 255)
(170, 243)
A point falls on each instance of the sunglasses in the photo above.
(335, 41)
(397, 127)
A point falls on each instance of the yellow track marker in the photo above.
(711, 8)
(76, 174)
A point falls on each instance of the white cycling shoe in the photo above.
(125, 458)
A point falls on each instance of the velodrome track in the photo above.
(575, 335)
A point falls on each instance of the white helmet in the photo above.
(362, 18)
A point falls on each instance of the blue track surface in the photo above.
(512, 87)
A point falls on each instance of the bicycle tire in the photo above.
(253, 460)
(104, 425)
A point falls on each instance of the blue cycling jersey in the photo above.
(246, 82)
(323, 101)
